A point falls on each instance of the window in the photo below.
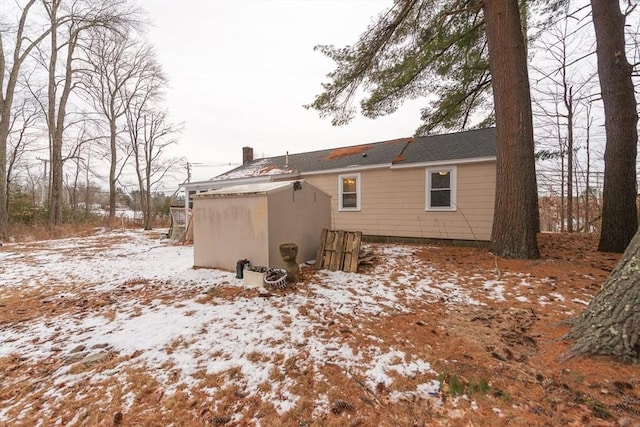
(441, 189)
(349, 192)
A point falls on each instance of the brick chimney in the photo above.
(247, 155)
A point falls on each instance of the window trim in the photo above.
(341, 178)
(452, 187)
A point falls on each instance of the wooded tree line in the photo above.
(79, 75)
(472, 54)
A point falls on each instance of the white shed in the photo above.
(251, 221)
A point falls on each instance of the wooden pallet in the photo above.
(339, 250)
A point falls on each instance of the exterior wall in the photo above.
(230, 228)
(297, 217)
(393, 203)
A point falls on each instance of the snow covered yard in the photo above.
(118, 328)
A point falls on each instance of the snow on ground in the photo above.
(177, 328)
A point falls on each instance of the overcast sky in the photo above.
(240, 72)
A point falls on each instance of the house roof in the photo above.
(473, 144)
(467, 145)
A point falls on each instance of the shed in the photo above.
(251, 221)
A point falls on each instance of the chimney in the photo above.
(247, 155)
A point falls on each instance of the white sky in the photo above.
(240, 72)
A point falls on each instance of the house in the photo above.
(430, 187)
(250, 221)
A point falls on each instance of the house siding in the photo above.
(393, 203)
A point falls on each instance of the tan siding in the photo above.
(219, 240)
(393, 203)
(252, 226)
(297, 217)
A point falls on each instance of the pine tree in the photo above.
(441, 51)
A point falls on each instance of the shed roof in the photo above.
(251, 189)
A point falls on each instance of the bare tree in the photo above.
(70, 24)
(152, 165)
(89, 188)
(32, 182)
(118, 67)
(561, 91)
(21, 137)
(150, 134)
(12, 58)
(587, 192)
(78, 140)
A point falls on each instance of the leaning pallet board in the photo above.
(339, 250)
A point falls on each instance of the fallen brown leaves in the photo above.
(503, 355)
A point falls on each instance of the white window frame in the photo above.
(452, 187)
(341, 178)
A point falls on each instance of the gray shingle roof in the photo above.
(452, 146)
(404, 151)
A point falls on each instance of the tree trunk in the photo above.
(588, 173)
(6, 101)
(148, 211)
(56, 119)
(569, 105)
(4, 186)
(610, 325)
(113, 178)
(148, 205)
(55, 152)
(562, 173)
(619, 212)
(55, 213)
(516, 217)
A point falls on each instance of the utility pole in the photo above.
(189, 172)
(45, 180)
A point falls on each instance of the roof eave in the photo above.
(445, 162)
(354, 168)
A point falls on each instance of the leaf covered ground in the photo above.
(117, 328)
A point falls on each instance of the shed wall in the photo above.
(229, 228)
(297, 217)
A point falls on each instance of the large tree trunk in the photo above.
(56, 119)
(55, 213)
(148, 210)
(57, 162)
(610, 325)
(619, 212)
(55, 151)
(516, 218)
